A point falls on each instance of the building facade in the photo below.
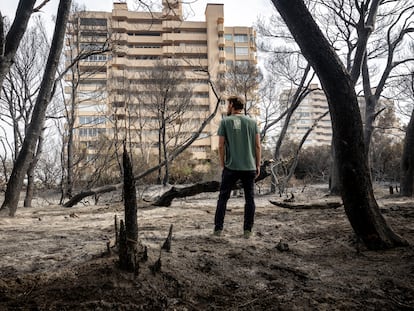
(119, 90)
(315, 105)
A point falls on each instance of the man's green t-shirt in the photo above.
(239, 133)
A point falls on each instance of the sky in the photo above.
(236, 12)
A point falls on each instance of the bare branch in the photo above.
(40, 6)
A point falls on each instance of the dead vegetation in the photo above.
(298, 259)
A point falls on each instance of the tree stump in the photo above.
(128, 234)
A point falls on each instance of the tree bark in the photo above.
(357, 193)
(407, 161)
(307, 205)
(128, 251)
(167, 198)
(335, 187)
(9, 45)
(15, 184)
(30, 173)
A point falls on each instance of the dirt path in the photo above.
(51, 258)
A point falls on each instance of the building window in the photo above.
(89, 120)
(229, 49)
(93, 82)
(95, 94)
(242, 50)
(93, 21)
(242, 63)
(92, 46)
(241, 38)
(93, 34)
(228, 37)
(91, 132)
(144, 57)
(201, 95)
(150, 34)
(99, 108)
(96, 58)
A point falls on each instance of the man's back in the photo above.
(239, 132)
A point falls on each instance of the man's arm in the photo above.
(258, 148)
(221, 151)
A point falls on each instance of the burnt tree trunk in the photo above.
(357, 193)
(30, 173)
(334, 182)
(167, 198)
(128, 236)
(407, 160)
(15, 184)
(10, 43)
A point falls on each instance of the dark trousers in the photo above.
(228, 180)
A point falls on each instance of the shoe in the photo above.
(247, 234)
(217, 232)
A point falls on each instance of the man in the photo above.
(239, 155)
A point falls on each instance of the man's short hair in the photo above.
(237, 102)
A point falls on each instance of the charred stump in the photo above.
(167, 244)
(128, 235)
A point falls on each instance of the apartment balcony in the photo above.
(184, 37)
(146, 39)
(83, 64)
(120, 38)
(222, 55)
(117, 74)
(97, 75)
(119, 61)
(183, 25)
(174, 50)
(143, 63)
(145, 51)
(200, 88)
(221, 68)
(220, 28)
(221, 41)
(252, 45)
(119, 25)
(193, 62)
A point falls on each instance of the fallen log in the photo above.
(208, 186)
(175, 192)
(307, 205)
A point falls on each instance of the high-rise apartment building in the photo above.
(314, 106)
(118, 92)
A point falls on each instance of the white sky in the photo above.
(236, 12)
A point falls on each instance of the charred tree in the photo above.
(10, 44)
(128, 236)
(357, 192)
(23, 160)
